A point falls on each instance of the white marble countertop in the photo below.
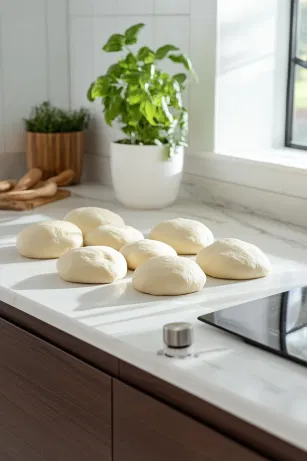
(266, 390)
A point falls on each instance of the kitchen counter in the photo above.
(256, 386)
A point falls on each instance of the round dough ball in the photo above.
(168, 275)
(87, 218)
(113, 236)
(49, 239)
(92, 265)
(186, 236)
(233, 259)
(139, 252)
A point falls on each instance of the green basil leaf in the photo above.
(181, 78)
(115, 71)
(101, 87)
(131, 34)
(181, 59)
(113, 111)
(163, 50)
(146, 54)
(135, 98)
(115, 43)
(149, 111)
(89, 93)
(134, 116)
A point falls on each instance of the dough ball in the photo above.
(113, 236)
(49, 239)
(168, 275)
(233, 259)
(137, 253)
(87, 218)
(92, 265)
(186, 236)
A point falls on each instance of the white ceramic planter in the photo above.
(143, 177)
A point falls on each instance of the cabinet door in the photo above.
(53, 407)
(145, 429)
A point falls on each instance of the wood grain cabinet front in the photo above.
(53, 407)
(145, 429)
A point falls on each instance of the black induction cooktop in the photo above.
(276, 323)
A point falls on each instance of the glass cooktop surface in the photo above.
(276, 323)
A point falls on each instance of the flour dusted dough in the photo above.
(87, 218)
(233, 259)
(168, 275)
(113, 236)
(49, 239)
(186, 236)
(92, 265)
(139, 252)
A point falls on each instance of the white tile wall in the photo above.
(51, 49)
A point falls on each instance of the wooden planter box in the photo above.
(55, 152)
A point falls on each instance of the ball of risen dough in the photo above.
(87, 218)
(48, 239)
(168, 275)
(113, 236)
(139, 252)
(233, 259)
(92, 265)
(186, 236)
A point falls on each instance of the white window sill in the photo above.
(271, 183)
(282, 171)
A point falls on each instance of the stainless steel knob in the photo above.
(178, 335)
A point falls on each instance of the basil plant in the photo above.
(146, 101)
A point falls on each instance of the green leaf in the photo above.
(115, 43)
(131, 34)
(181, 78)
(146, 54)
(163, 50)
(101, 87)
(149, 111)
(135, 98)
(113, 111)
(89, 93)
(115, 71)
(181, 59)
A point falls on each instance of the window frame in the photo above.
(294, 61)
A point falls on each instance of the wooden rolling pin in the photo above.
(48, 189)
(7, 185)
(29, 180)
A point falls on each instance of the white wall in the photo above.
(33, 68)
(51, 49)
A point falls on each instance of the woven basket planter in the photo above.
(55, 152)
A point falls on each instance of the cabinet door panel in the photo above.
(145, 429)
(53, 407)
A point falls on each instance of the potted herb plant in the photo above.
(147, 163)
(55, 140)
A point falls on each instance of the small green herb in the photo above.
(49, 119)
(146, 101)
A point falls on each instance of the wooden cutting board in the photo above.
(26, 205)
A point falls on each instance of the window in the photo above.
(296, 124)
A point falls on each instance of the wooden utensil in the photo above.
(7, 185)
(47, 190)
(29, 180)
(63, 179)
(30, 204)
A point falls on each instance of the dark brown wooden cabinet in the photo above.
(58, 404)
(53, 407)
(145, 429)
